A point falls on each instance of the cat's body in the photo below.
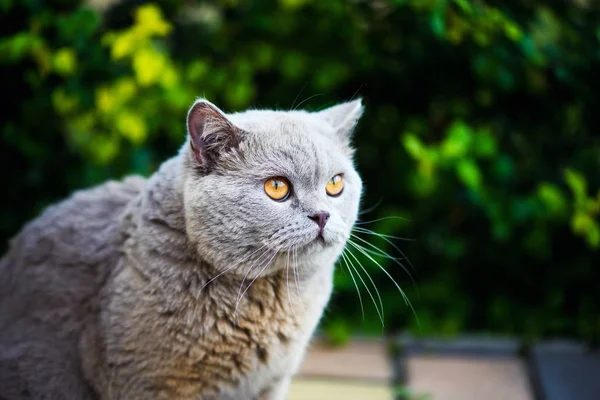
(140, 289)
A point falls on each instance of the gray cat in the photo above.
(205, 281)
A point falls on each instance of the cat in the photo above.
(205, 281)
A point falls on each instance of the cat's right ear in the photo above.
(343, 117)
(210, 133)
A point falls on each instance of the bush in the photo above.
(481, 129)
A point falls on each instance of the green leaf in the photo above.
(413, 145)
(577, 183)
(457, 141)
(513, 31)
(552, 198)
(65, 62)
(593, 235)
(437, 22)
(581, 222)
(131, 125)
(293, 4)
(18, 46)
(469, 173)
(465, 6)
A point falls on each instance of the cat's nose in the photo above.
(320, 218)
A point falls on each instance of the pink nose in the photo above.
(321, 219)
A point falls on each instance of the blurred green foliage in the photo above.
(481, 128)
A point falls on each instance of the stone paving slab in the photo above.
(463, 368)
(469, 378)
(360, 370)
(332, 389)
(566, 371)
(365, 360)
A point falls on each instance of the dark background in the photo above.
(481, 129)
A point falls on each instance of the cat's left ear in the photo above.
(343, 117)
(210, 133)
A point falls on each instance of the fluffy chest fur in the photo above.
(202, 348)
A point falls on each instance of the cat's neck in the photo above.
(154, 226)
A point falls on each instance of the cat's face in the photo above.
(268, 189)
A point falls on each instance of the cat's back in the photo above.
(50, 279)
(58, 262)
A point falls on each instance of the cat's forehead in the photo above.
(293, 143)
(288, 123)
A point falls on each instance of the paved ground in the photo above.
(330, 389)
(355, 372)
(451, 378)
(463, 369)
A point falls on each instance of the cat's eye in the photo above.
(277, 188)
(335, 185)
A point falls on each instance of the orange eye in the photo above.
(335, 185)
(277, 188)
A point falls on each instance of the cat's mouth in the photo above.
(308, 242)
(319, 241)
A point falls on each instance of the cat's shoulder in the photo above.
(83, 216)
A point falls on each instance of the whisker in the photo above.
(232, 267)
(362, 308)
(382, 235)
(298, 95)
(361, 249)
(287, 281)
(367, 288)
(250, 269)
(255, 278)
(372, 208)
(408, 303)
(381, 219)
(295, 267)
(357, 90)
(376, 253)
(379, 252)
(308, 98)
(386, 255)
(385, 238)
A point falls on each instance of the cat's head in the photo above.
(264, 189)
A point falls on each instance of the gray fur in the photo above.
(131, 290)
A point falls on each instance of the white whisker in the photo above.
(382, 253)
(381, 315)
(295, 267)
(255, 278)
(386, 238)
(370, 209)
(298, 95)
(408, 303)
(381, 219)
(308, 98)
(287, 282)
(370, 232)
(362, 308)
(232, 267)
(250, 269)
